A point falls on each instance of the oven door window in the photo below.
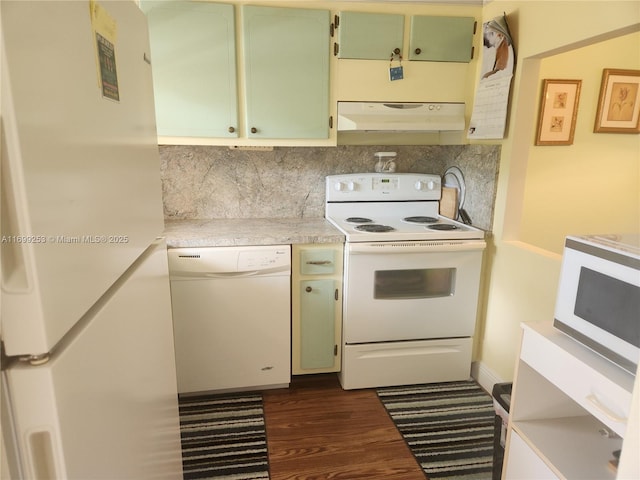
(419, 283)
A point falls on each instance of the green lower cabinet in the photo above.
(317, 325)
(316, 308)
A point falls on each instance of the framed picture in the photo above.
(558, 111)
(619, 102)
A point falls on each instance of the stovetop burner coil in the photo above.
(358, 220)
(420, 219)
(373, 227)
(443, 226)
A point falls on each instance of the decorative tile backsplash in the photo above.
(289, 182)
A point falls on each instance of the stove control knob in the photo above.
(420, 185)
(342, 186)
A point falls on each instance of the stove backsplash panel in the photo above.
(289, 182)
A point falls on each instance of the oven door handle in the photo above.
(416, 247)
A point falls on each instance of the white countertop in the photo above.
(221, 232)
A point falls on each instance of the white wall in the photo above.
(523, 271)
(592, 186)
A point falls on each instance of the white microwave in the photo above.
(598, 301)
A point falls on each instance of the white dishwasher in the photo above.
(231, 317)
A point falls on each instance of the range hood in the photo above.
(400, 117)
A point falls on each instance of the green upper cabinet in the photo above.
(441, 39)
(370, 36)
(193, 56)
(286, 67)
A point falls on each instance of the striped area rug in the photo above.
(448, 427)
(223, 437)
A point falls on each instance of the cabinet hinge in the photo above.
(332, 30)
(330, 121)
(335, 350)
(336, 49)
(336, 20)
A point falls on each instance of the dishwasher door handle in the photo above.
(210, 275)
(205, 275)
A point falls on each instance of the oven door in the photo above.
(411, 290)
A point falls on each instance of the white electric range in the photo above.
(411, 280)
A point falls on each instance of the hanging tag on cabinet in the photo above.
(396, 73)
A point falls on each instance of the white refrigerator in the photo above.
(88, 365)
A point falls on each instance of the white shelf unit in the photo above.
(569, 409)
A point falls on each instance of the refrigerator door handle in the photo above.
(34, 420)
(22, 329)
(16, 238)
(41, 455)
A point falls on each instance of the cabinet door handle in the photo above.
(308, 289)
(418, 51)
(593, 400)
(231, 129)
(254, 130)
(319, 262)
(336, 294)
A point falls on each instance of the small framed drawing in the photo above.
(558, 111)
(619, 102)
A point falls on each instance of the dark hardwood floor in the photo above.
(316, 430)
